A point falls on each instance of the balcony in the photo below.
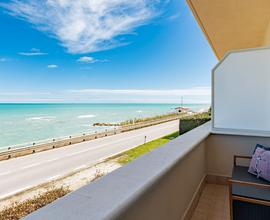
(213, 203)
(188, 177)
(185, 179)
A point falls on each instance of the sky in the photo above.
(138, 51)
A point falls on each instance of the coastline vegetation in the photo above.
(187, 123)
(141, 120)
(137, 152)
(20, 210)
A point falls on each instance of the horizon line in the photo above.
(105, 103)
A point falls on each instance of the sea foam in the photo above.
(41, 118)
(86, 116)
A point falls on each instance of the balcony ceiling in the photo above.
(233, 24)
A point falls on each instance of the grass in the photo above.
(140, 120)
(134, 153)
(19, 210)
(188, 123)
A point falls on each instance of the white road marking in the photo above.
(82, 151)
(80, 167)
(30, 165)
(5, 173)
(122, 140)
(103, 145)
(14, 192)
(53, 178)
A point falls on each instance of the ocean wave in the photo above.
(41, 118)
(86, 116)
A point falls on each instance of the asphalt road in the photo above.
(22, 173)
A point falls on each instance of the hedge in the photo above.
(192, 121)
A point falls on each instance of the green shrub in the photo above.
(192, 121)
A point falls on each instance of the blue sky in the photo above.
(102, 51)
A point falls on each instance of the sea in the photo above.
(24, 124)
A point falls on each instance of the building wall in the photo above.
(267, 36)
(169, 198)
(241, 93)
(221, 149)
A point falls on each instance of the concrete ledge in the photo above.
(155, 186)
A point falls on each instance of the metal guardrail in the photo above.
(12, 152)
(47, 141)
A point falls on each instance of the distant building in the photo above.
(183, 109)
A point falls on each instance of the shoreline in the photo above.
(35, 148)
(105, 125)
(23, 125)
(77, 158)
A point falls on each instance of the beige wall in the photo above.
(232, 24)
(222, 148)
(170, 197)
(267, 36)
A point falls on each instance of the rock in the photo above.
(105, 124)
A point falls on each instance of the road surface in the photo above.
(19, 174)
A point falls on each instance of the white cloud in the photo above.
(32, 52)
(190, 95)
(23, 93)
(84, 26)
(52, 66)
(197, 91)
(30, 100)
(174, 17)
(26, 97)
(86, 59)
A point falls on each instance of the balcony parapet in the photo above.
(159, 185)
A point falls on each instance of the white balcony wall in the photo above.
(241, 93)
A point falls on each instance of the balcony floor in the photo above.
(213, 203)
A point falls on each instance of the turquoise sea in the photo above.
(23, 124)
